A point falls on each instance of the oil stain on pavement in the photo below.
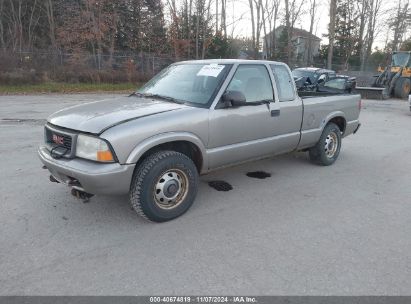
(258, 174)
(220, 185)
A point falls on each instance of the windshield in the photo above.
(303, 73)
(191, 83)
(400, 59)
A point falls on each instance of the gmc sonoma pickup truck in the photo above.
(193, 117)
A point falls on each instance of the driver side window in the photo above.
(253, 81)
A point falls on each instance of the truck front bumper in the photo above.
(88, 176)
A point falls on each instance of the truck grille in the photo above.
(55, 139)
(67, 142)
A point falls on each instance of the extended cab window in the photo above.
(285, 84)
(253, 81)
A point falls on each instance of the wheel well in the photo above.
(340, 122)
(185, 147)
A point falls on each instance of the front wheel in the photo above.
(327, 149)
(164, 186)
(402, 88)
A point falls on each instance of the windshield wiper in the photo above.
(166, 98)
(158, 96)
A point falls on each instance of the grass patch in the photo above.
(55, 87)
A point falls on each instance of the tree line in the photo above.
(355, 25)
(195, 29)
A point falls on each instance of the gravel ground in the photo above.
(306, 230)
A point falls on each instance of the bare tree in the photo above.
(15, 24)
(190, 10)
(22, 18)
(399, 23)
(352, 38)
(253, 26)
(203, 26)
(331, 32)
(206, 22)
(2, 39)
(224, 18)
(33, 23)
(198, 14)
(269, 13)
(373, 11)
(216, 17)
(292, 13)
(49, 9)
(313, 11)
(257, 22)
(234, 20)
(362, 10)
(174, 26)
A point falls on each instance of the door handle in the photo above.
(275, 113)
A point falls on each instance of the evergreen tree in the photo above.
(346, 34)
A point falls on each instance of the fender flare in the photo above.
(330, 116)
(163, 138)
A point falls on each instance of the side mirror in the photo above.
(321, 81)
(233, 99)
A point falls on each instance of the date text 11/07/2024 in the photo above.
(205, 299)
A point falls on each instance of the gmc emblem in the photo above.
(58, 139)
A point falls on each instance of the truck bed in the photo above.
(320, 109)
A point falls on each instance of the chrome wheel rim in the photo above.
(170, 189)
(331, 144)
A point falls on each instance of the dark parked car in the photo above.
(341, 84)
(322, 81)
(308, 79)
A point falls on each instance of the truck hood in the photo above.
(98, 116)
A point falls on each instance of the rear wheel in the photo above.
(402, 88)
(327, 149)
(164, 186)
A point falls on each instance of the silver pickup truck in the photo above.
(193, 117)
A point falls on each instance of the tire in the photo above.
(164, 186)
(326, 154)
(402, 88)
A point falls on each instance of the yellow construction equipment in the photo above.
(393, 81)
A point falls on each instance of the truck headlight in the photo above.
(93, 148)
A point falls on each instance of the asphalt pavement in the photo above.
(306, 230)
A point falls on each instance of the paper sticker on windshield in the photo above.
(212, 70)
